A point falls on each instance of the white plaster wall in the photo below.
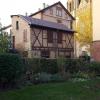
(19, 41)
(96, 19)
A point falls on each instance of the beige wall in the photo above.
(38, 16)
(96, 19)
(19, 40)
(65, 18)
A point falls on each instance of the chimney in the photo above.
(44, 5)
(47, 5)
(39, 9)
(26, 14)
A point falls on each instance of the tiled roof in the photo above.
(43, 23)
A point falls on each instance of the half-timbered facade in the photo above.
(44, 35)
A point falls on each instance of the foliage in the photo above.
(61, 63)
(37, 65)
(66, 68)
(11, 68)
(94, 67)
(84, 26)
(49, 66)
(74, 65)
(45, 78)
(4, 41)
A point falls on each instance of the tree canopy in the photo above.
(84, 26)
(4, 40)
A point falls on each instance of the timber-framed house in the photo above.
(46, 33)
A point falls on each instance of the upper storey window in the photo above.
(59, 11)
(17, 25)
(78, 2)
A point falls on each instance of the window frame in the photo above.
(49, 36)
(59, 11)
(17, 25)
(59, 37)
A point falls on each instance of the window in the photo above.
(67, 6)
(59, 11)
(59, 21)
(51, 11)
(78, 3)
(59, 37)
(25, 35)
(70, 7)
(13, 42)
(50, 36)
(17, 25)
(45, 53)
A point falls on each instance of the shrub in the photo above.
(44, 77)
(11, 68)
(57, 78)
(49, 66)
(94, 67)
(73, 65)
(37, 65)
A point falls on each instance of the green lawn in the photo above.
(89, 90)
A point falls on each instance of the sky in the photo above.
(14, 7)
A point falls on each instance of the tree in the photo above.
(84, 26)
(4, 40)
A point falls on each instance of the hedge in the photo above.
(11, 68)
(37, 65)
(53, 66)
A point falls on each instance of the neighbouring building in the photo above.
(82, 11)
(95, 47)
(46, 33)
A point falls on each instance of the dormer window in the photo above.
(59, 11)
(17, 25)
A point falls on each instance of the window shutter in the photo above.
(25, 35)
(50, 36)
(59, 37)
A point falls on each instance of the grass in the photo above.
(89, 90)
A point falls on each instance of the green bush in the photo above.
(94, 67)
(73, 65)
(49, 66)
(67, 68)
(37, 65)
(11, 68)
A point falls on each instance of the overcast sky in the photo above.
(13, 7)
